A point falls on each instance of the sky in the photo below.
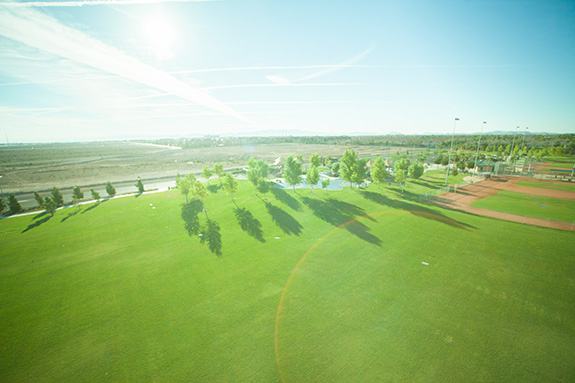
(143, 69)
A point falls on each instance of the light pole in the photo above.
(478, 143)
(450, 149)
(511, 153)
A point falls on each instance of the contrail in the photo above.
(94, 2)
(345, 64)
(43, 32)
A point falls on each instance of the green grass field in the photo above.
(308, 287)
(532, 206)
(549, 185)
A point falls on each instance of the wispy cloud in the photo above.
(346, 64)
(43, 32)
(280, 85)
(88, 2)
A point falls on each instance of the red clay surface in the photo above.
(464, 196)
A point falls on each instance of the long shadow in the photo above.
(37, 223)
(42, 214)
(285, 222)
(284, 197)
(213, 188)
(211, 235)
(249, 223)
(338, 213)
(70, 215)
(91, 207)
(417, 210)
(190, 212)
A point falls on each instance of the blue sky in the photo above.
(149, 68)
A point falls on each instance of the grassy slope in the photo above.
(121, 292)
(533, 206)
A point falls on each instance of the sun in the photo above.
(160, 35)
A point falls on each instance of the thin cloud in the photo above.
(45, 33)
(332, 69)
(95, 2)
(280, 85)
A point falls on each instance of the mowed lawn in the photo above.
(549, 185)
(309, 287)
(532, 206)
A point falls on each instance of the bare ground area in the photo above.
(29, 168)
(465, 196)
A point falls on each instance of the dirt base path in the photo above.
(465, 196)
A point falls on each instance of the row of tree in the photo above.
(55, 199)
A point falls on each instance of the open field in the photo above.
(549, 185)
(465, 198)
(525, 204)
(308, 287)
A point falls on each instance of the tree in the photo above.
(50, 205)
(13, 204)
(454, 171)
(416, 170)
(254, 176)
(378, 172)
(263, 186)
(360, 172)
(207, 172)
(218, 170)
(57, 196)
(325, 183)
(95, 195)
(230, 185)
(335, 169)
(402, 164)
(347, 165)
(184, 184)
(400, 177)
(2, 205)
(111, 190)
(139, 185)
(199, 191)
(39, 200)
(314, 160)
(78, 193)
(313, 176)
(75, 201)
(292, 172)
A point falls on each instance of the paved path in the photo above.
(462, 199)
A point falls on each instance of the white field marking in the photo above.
(425, 263)
(277, 237)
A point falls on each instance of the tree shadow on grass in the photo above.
(190, 212)
(38, 223)
(213, 188)
(95, 205)
(249, 223)
(285, 222)
(284, 197)
(42, 214)
(417, 210)
(211, 235)
(70, 215)
(339, 213)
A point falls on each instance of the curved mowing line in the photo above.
(298, 265)
(280, 304)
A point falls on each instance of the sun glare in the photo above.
(160, 35)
